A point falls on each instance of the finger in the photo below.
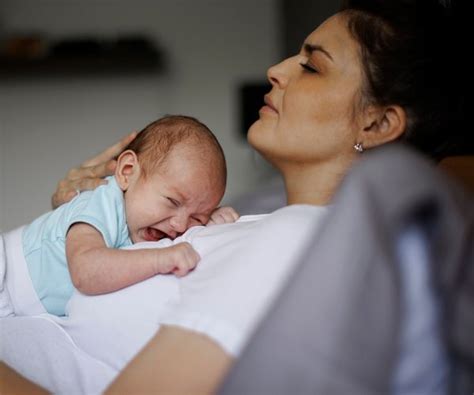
(110, 152)
(62, 197)
(67, 190)
(188, 266)
(179, 271)
(190, 256)
(193, 254)
(230, 213)
(101, 170)
(217, 219)
(195, 258)
(235, 215)
(84, 184)
(191, 262)
(223, 217)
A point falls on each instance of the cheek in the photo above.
(131, 214)
(316, 128)
(138, 209)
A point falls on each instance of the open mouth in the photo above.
(152, 234)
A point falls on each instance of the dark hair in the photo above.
(153, 144)
(409, 56)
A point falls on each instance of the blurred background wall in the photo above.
(50, 123)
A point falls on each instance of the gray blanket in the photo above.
(335, 329)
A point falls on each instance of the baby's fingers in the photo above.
(223, 215)
(188, 261)
(184, 267)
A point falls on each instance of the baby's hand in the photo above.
(223, 215)
(178, 259)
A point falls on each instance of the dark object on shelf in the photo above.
(84, 55)
(83, 48)
(133, 44)
(30, 46)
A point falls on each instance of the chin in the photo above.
(259, 137)
(255, 133)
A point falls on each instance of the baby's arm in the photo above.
(97, 269)
(223, 215)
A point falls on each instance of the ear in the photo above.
(127, 170)
(382, 125)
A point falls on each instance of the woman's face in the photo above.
(309, 113)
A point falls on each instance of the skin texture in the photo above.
(197, 366)
(308, 132)
(96, 269)
(12, 383)
(181, 193)
(313, 117)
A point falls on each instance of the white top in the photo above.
(242, 267)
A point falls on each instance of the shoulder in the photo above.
(104, 209)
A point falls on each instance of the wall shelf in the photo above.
(84, 58)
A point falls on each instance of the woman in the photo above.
(367, 76)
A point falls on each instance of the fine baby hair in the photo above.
(158, 138)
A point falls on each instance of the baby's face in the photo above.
(167, 202)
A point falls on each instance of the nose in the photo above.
(278, 75)
(179, 223)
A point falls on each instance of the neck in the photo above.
(314, 184)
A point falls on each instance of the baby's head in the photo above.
(173, 176)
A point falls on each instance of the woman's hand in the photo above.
(90, 174)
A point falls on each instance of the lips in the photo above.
(152, 234)
(269, 103)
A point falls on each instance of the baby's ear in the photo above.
(127, 170)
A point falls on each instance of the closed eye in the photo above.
(308, 67)
(198, 221)
(174, 202)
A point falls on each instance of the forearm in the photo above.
(101, 270)
(175, 361)
(13, 383)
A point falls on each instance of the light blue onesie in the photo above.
(44, 240)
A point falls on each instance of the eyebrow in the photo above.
(310, 48)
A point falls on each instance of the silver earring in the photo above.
(359, 147)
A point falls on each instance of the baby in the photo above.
(171, 177)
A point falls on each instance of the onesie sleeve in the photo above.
(103, 209)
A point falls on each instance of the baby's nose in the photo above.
(179, 223)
